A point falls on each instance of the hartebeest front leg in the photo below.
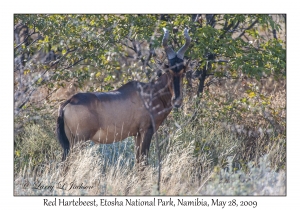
(142, 145)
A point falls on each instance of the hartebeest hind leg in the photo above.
(142, 145)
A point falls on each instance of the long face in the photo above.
(177, 67)
(177, 71)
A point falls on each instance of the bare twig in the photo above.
(25, 39)
(249, 27)
(70, 66)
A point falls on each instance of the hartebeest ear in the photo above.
(186, 65)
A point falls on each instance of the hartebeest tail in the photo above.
(60, 130)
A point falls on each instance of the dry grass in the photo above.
(179, 176)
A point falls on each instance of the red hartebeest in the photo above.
(113, 116)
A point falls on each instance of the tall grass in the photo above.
(180, 175)
(188, 168)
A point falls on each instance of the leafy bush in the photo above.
(35, 145)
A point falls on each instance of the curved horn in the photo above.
(170, 52)
(182, 50)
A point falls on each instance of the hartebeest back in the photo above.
(113, 116)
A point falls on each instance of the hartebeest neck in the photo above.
(162, 90)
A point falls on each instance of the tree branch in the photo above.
(210, 20)
(58, 60)
(70, 66)
(128, 46)
(25, 40)
(248, 28)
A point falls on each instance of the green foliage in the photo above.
(121, 47)
(91, 38)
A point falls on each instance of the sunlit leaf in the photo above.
(251, 94)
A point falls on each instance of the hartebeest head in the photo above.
(176, 67)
